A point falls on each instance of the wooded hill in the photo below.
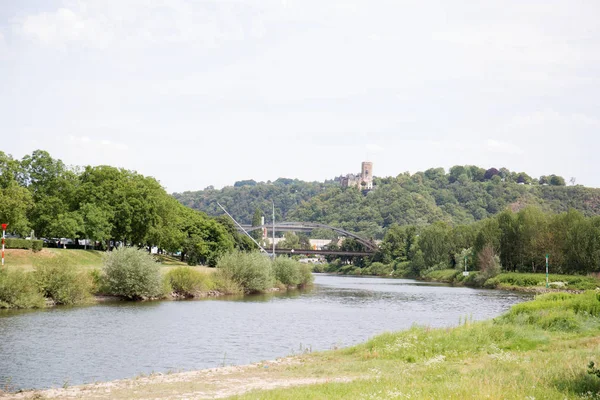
(463, 195)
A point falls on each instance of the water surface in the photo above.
(46, 348)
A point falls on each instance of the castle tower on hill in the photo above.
(367, 175)
(362, 181)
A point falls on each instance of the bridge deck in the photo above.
(323, 252)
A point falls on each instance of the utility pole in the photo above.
(273, 230)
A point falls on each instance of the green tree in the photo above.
(434, 242)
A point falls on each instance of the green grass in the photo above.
(512, 280)
(85, 259)
(530, 280)
(27, 259)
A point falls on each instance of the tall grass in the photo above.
(188, 282)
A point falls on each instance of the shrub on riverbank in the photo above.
(287, 271)
(133, 274)
(188, 282)
(18, 289)
(292, 273)
(378, 269)
(62, 282)
(251, 271)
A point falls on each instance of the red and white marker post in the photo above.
(3, 236)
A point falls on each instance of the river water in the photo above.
(62, 345)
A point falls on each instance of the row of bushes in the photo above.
(13, 243)
(134, 274)
(255, 273)
(54, 279)
(375, 269)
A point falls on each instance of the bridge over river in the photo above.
(369, 247)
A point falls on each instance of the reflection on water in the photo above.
(119, 340)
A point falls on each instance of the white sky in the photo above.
(199, 93)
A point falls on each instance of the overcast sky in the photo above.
(199, 93)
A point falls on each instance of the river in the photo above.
(74, 345)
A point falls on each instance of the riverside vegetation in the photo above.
(505, 251)
(133, 274)
(542, 349)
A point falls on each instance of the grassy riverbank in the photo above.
(83, 259)
(67, 277)
(529, 282)
(516, 281)
(538, 350)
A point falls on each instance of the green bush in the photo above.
(443, 275)
(188, 282)
(133, 274)
(37, 245)
(379, 269)
(287, 271)
(252, 271)
(348, 269)
(306, 276)
(318, 268)
(62, 282)
(333, 266)
(402, 269)
(18, 290)
(13, 243)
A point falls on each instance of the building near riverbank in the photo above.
(362, 181)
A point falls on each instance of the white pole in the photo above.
(3, 237)
(273, 230)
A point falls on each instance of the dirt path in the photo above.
(213, 383)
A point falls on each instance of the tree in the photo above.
(15, 203)
(397, 243)
(490, 173)
(96, 223)
(556, 180)
(292, 241)
(434, 242)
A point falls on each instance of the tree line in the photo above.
(106, 204)
(519, 241)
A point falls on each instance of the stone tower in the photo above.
(366, 175)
